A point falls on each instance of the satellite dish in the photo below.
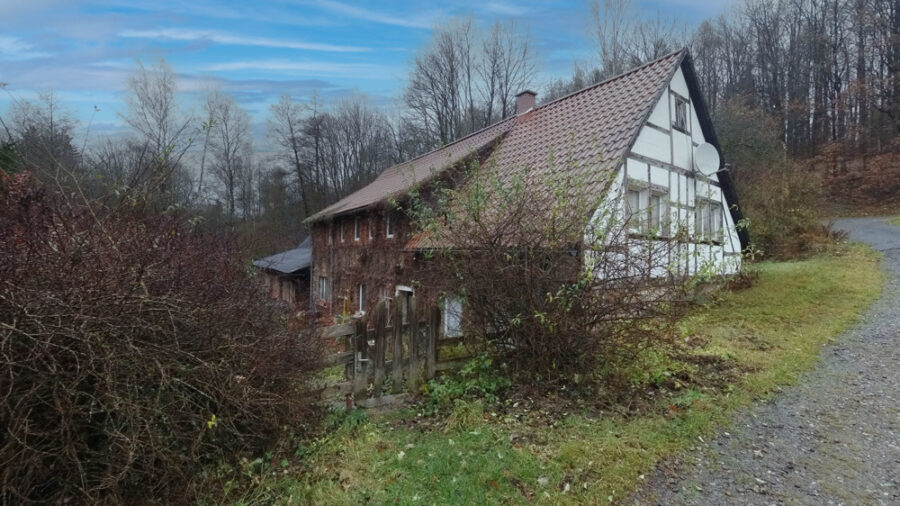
(706, 159)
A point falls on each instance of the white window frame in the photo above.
(323, 288)
(708, 220)
(356, 228)
(388, 226)
(361, 294)
(403, 293)
(648, 218)
(452, 312)
(681, 104)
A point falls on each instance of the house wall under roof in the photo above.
(662, 157)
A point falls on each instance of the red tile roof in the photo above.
(593, 129)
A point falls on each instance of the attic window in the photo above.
(681, 112)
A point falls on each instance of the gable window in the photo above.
(362, 298)
(648, 211)
(708, 221)
(681, 114)
(356, 229)
(323, 288)
(388, 226)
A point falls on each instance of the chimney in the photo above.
(525, 100)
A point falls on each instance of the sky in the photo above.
(84, 51)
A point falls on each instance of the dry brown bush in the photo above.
(136, 360)
(550, 275)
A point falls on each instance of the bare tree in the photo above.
(506, 66)
(230, 144)
(465, 78)
(286, 125)
(154, 114)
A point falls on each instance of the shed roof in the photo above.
(290, 261)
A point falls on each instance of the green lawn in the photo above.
(894, 221)
(765, 335)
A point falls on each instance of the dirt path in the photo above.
(834, 438)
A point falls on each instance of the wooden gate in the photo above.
(389, 355)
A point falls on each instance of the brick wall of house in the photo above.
(365, 256)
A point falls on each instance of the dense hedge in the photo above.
(136, 358)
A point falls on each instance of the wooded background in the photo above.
(822, 73)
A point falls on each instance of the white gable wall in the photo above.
(663, 156)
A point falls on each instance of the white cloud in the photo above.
(13, 48)
(316, 67)
(235, 40)
(506, 9)
(374, 16)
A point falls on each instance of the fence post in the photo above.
(431, 339)
(360, 359)
(413, 378)
(380, 338)
(397, 348)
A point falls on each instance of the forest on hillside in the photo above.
(799, 89)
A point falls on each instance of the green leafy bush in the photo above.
(479, 379)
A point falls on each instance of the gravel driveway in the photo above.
(834, 438)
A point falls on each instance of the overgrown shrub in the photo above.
(781, 200)
(135, 357)
(550, 276)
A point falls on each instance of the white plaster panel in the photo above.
(653, 144)
(679, 85)
(682, 149)
(660, 114)
(659, 175)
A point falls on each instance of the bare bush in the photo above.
(559, 280)
(135, 356)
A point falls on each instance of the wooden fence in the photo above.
(384, 359)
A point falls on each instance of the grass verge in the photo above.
(765, 336)
(894, 221)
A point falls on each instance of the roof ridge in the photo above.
(446, 146)
(615, 77)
